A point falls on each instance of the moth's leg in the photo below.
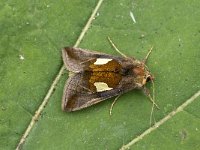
(114, 46)
(152, 115)
(149, 52)
(111, 107)
(147, 93)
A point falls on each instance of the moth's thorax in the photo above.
(142, 75)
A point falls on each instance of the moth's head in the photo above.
(142, 75)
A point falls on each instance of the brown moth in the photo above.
(97, 76)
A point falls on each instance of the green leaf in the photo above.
(36, 31)
(32, 35)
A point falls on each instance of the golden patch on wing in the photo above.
(110, 80)
(109, 65)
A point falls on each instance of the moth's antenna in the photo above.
(115, 47)
(149, 52)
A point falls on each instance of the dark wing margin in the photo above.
(77, 94)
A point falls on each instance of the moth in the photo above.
(97, 76)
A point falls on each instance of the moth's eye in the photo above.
(148, 79)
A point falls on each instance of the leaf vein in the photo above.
(56, 80)
(162, 121)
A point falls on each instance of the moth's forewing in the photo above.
(79, 60)
(97, 77)
(88, 88)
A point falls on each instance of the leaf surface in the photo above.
(38, 32)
